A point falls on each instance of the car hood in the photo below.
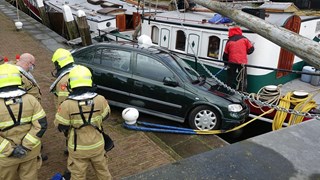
(210, 85)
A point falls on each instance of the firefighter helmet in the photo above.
(130, 115)
(62, 57)
(80, 76)
(9, 75)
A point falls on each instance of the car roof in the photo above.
(133, 45)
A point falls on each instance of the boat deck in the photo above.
(297, 84)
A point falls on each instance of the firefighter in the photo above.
(22, 124)
(26, 64)
(63, 61)
(81, 116)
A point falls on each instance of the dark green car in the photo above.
(156, 82)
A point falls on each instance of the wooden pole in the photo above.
(301, 46)
(84, 28)
(43, 15)
(70, 22)
(22, 6)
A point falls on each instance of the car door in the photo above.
(149, 91)
(111, 72)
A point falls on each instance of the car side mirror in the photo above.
(170, 82)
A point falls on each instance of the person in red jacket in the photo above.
(235, 52)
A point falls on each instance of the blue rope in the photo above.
(149, 129)
(224, 67)
(163, 126)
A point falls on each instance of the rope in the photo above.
(240, 77)
(17, 4)
(235, 128)
(264, 95)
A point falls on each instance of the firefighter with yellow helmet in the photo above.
(22, 124)
(63, 61)
(81, 116)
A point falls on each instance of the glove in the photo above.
(19, 152)
(64, 129)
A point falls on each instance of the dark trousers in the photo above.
(232, 75)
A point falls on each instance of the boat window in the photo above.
(181, 40)
(214, 47)
(152, 69)
(155, 35)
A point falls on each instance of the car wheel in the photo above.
(204, 118)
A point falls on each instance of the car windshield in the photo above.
(181, 65)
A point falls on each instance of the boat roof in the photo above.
(279, 7)
(193, 18)
(91, 10)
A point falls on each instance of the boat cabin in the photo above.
(191, 34)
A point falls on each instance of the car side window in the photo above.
(85, 56)
(112, 58)
(152, 69)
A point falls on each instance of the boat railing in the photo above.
(221, 63)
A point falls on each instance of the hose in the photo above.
(179, 130)
(162, 130)
(301, 105)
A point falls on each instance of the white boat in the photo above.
(190, 34)
(101, 14)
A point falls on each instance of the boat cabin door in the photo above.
(164, 38)
(193, 44)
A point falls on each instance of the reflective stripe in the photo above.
(62, 120)
(6, 124)
(10, 123)
(81, 147)
(105, 112)
(62, 58)
(82, 77)
(7, 75)
(33, 140)
(3, 145)
(39, 115)
(80, 121)
(62, 93)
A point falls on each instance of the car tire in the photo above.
(204, 118)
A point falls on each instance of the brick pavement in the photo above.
(134, 152)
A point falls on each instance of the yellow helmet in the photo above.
(9, 75)
(62, 57)
(80, 76)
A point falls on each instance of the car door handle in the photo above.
(138, 83)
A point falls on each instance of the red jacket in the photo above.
(237, 47)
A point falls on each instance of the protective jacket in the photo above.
(83, 114)
(30, 84)
(22, 122)
(59, 86)
(237, 47)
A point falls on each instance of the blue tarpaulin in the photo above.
(218, 19)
